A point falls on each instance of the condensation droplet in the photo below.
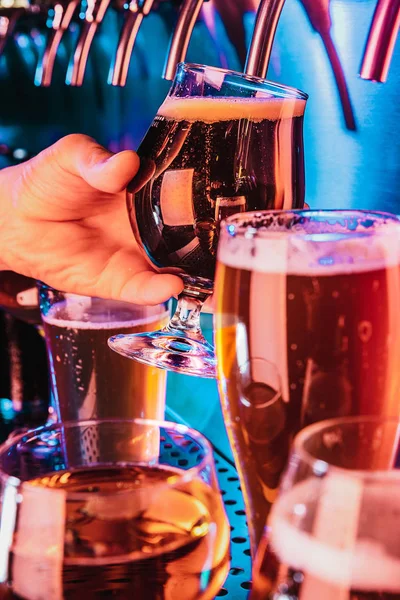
(365, 331)
(291, 296)
(293, 386)
(293, 346)
(376, 285)
(335, 294)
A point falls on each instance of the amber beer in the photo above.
(205, 158)
(333, 550)
(141, 538)
(89, 379)
(333, 332)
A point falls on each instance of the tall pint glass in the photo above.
(317, 294)
(88, 379)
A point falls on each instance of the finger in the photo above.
(127, 276)
(80, 155)
(124, 275)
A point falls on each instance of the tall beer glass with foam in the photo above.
(317, 294)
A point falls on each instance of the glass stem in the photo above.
(186, 320)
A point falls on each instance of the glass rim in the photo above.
(299, 452)
(45, 286)
(236, 226)
(290, 91)
(181, 475)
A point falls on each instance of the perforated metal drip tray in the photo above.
(238, 583)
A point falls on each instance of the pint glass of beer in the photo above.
(334, 530)
(88, 379)
(221, 143)
(116, 524)
(317, 294)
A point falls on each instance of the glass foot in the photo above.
(167, 350)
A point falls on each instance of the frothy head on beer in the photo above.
(217, 109)
(310, 242)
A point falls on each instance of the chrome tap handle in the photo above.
(63, 14)
(179, 43)
(134, 16)
(94, 15)
(259, 53)
(381, 40)
(7, 26)
(9, 15)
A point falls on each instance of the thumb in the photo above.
(82, 156)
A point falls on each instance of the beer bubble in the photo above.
(291, 296)
(365, 331)
(335, 294)
(293, 346)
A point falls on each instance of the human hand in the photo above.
(63, 220)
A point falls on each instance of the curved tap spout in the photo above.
(63, 14)
(7, 26)
(94, 15)
(318, 12)
(381, 40)
(9, 15)
(259, 52)
(134, 16)
(188, 14)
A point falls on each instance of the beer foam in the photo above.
(364, 565)
(62, 315)
(213, 110)
(308, 255)
(367, 567)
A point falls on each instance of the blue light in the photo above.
(326, 261)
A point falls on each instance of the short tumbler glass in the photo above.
(119, 508)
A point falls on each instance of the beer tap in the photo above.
(259, 52)
(95, 11)
(63, 11)
(10, 12)
(134, 15)
(381, 40)
(318, 12)
(189, 11)
(263, 37)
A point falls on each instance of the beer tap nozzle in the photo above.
(63, 14)
(134, 16)
(381, 40)
(265, 26)
(10, 12)
(188, 14)
(94, 15)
